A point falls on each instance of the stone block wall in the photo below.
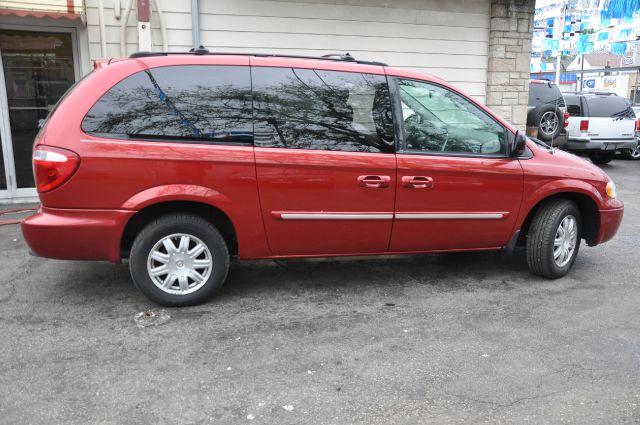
(508, 74)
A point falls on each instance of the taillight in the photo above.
(566, 120)
(638, 125)
(53, 166)
(584, 125)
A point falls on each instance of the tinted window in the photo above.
(177, 102)
(439, 120)
(573, 105)
(325, 110)
(544, 93)
(609, 106)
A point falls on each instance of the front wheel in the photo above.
(602, 157)
(554, 239)
(179, 260)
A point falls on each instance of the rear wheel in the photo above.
(602, 157)
(554, 239)
(178, 260)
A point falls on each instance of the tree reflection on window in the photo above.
(177, 102)
(322, 110)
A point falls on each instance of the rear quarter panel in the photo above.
(129, 175)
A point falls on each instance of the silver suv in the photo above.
(601, 124)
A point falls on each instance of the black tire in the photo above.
(602, 157)
(185, 224)
(537, 118)
(631, 154)
(541, 236)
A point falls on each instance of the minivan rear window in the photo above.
(190, 103)
(609, 106)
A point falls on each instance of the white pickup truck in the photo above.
(600, 124)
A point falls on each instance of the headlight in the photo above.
(611, 190)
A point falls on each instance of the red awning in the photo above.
(56, 9)
(40, 14)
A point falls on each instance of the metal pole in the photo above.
(581, 72)
(195, 23)
(559, 33)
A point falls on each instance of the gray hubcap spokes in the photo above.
(549, 122)
(179, 264)
(565, 241)
(635, 154)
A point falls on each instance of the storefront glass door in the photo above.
(37, 69)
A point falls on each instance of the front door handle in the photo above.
(374, 181)
(417, 182)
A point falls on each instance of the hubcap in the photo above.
(565, 241)
(179, 264)
(635, 154)
(549, 122)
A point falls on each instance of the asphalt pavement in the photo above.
(447, 338)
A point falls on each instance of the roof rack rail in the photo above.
(596, 92)
(345, 57)
(203, 51)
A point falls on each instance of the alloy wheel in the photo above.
(179, 264)
(564, 243)
(549, 122)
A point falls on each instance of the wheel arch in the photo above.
(589, 214)
(151, 211)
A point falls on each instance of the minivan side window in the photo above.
(438, 120)
(190, 103)
(322, 110)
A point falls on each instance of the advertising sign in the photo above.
(618, 84)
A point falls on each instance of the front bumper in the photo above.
(76, 234)
(586, 144)
(610, 220)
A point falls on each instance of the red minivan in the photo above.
(179, 161)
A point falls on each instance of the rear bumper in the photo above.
(610, 220)
(586, 144)
(561, 140)
(73, 234)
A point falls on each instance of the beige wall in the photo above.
(446, 38)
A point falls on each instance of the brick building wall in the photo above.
(509, 58)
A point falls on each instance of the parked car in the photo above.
(635, 153)
(178, 161)
(601, 124)
(547, 112)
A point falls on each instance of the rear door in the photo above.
(610, 118)
(324, 149)
(456, 187)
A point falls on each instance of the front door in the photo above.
(324, 159)
(456, 187)
(37, 69)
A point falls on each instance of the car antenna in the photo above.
(555, 111)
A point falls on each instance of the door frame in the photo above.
(13, 193)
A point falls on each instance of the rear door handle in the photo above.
(417, 182)
(374, 181)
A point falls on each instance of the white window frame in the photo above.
(14, 194)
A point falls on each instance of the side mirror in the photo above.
(519, 144)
